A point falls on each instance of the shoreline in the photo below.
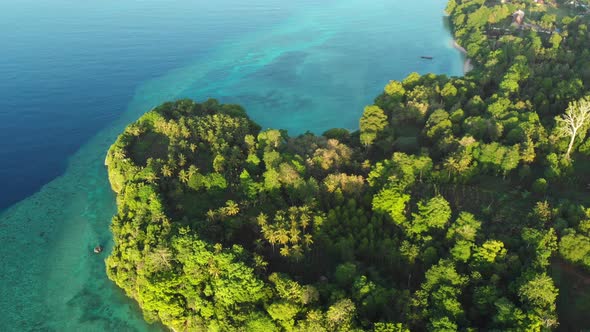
(467, 64)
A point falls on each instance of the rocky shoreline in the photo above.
(467, 65)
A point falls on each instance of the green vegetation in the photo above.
(452, 208)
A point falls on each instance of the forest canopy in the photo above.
(447, 210)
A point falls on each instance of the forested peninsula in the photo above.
(462, 203)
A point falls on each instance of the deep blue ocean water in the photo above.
(74, 73)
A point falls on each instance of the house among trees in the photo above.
(518, 17)
(540, 2)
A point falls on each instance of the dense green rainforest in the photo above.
(462, 203)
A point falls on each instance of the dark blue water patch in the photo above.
(283, 70)
(273, 102)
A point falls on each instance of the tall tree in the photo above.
(372, 123)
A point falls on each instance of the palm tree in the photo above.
(304, 221)
(231, 208)
(213, 269)
(185, 132)
(272, 239)
(166, 171)
(192, 170)
(258, 244)
(133, 130)
(211, 215)
(119, 154)
(151, 177)
(260, 263)
(279, 218)
(285, 251)
(295, 235)
(307, 239)
(181, 160)
(296, 252)
(183, 176)
(282, 236)
(261, 219)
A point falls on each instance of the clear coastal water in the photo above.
(73, 74)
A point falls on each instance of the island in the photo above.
(461, 203)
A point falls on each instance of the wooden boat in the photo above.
(97, 249)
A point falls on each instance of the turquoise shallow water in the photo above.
(312, 69)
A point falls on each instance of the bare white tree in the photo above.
(574, 121)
